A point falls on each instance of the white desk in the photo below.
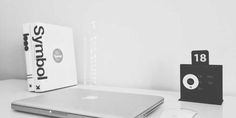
(11, 90)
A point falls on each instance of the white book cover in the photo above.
(54, 57)
(28, 56)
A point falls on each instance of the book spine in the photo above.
(28, 56)
(37, 33)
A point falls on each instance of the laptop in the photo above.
(86, 103)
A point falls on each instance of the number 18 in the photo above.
(201, 56)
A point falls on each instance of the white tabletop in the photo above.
(11, 90)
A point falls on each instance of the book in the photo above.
(28, 56)
(53, 57)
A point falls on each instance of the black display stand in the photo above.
(201, 82)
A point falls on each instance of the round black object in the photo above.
(26, 48)
(190, 81)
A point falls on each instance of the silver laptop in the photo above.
(84, 103)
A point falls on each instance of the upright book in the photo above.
(28, 56)
(53, 57)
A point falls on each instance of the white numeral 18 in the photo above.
(202, 57)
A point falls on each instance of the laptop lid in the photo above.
(89, 103)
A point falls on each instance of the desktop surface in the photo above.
(14, 89)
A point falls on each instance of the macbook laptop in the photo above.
(84, 103)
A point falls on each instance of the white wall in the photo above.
(140, 43)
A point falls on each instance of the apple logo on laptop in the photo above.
(90, 97)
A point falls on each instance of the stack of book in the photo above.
(50, 57)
